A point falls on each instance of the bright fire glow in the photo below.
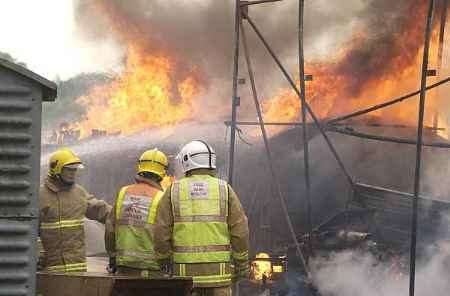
(145, 95)
(357, 78)
(261, 268)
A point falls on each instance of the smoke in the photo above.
(358, 272)
(200, 33)
(352, 273)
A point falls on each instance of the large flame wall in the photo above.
(162, 85)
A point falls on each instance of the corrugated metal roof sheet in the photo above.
(48, 87)
(392, 210)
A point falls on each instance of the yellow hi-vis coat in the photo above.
(202, 227)
(62, 212)
(129, 228)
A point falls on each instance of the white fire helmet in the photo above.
(197, 155)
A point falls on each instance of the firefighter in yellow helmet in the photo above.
(201, 227)
(129, 237)
(63, 207)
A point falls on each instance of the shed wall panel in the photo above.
(20, 133)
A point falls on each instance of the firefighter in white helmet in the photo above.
(128, 236)
(201, 226)
(63, 207)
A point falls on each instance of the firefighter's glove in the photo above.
(112, 267)
(165, 267)
(40, 265)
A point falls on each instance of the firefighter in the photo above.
(201, 229)
(128, 237)
(63, 206)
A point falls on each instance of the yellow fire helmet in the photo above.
(61, 158)
(153, 161)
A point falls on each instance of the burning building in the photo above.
(166, 96)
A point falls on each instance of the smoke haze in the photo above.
(200, 33)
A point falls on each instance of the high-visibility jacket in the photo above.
(200, 229)
(62, 213)
(196, 227)
(135, 213)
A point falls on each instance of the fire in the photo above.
(363, 74)
(145, 95)
(261, 268)
(155, 88)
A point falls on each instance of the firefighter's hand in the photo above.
(40, 265)
(112, 267)
(166, 267)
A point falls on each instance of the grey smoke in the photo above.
(354, 272)
(351, 273)
(201, 33)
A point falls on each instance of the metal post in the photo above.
(386, 104)
(227, 123)
(353, 133)
(444, 8)
(234, 95)
(248, 3)
(412, 273)
(295, 88)
(268, 151)
(301, 64)
(442, 33)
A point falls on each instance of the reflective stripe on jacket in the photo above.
(135, 213)
(62, 213)
(200, 229)
(239, 235)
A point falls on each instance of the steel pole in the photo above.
(295, 88)
(442, 33)
(235, 91)
(301, 65)
(357, 134)
(423, 81)
(386, 104)
(268, 150)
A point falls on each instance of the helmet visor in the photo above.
(74, 166)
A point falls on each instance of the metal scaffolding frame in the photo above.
(331, 125)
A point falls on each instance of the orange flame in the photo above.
(260, 269)
(340, 87)
(155, 89)
(144, 96)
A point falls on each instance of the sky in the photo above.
(43, 35)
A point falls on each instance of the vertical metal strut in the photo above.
(269, 153)
(301, 64)
(310, 111)
(234, 95)
(423, 81)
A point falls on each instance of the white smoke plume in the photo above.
(353, 273)
(357, 272)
